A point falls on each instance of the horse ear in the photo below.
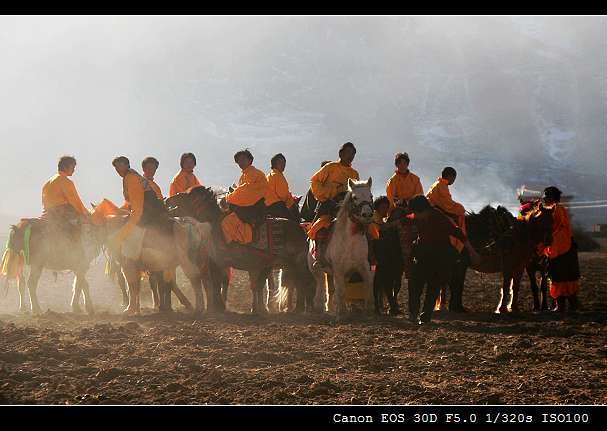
(369, 182)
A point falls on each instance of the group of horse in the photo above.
(195, 243)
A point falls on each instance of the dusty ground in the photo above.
(237, 358)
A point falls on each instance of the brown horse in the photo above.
(50, 245)
(201, 203)
(506, 245)
(161, 252)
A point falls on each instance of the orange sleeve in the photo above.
(195, 182)
(71, 195)
(136, 192)
(320, 189)
(390, 186)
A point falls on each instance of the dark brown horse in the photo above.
(201, 203)
(506, 245)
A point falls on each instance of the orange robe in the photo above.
(439, 196)
(134, 187)
(403, 186)
(182, 181)
(327, 183)
(60, 190)
(155, 187)
(252, 186)
(561, 243)
(278, 189)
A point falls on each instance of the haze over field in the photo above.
(505, 100)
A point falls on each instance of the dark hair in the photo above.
(121, 160)
(553, 193)
(276, 158)
(187, 156)
(401, 156)
(148, 161)
(379, 201)
(325, 162)
(448, 172)
(65, 162)
(347, 145)
(419, 204)
(244, 152)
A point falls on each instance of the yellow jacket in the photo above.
(278, 189)
(182, 181)
(439, 196)
(252, 186)
(331, 180)
(60, 190)
(403, 186)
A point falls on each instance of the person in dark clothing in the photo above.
(434, 256)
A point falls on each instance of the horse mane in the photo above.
(344, 205)
(489, 225)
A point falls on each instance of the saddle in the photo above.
(268, 236)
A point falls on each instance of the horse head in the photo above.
(360, 202)
(198, 202)
(540, 224)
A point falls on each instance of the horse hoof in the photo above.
(130, 312)
(76, 310)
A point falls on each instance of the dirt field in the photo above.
(479, 357)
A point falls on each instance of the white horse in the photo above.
(348, 249)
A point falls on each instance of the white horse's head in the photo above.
(361, 201)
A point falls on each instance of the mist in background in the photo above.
(505, 100)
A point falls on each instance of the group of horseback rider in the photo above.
(431, 227)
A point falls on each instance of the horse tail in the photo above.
(13, 258)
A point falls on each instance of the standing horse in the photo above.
(514, 242)
(48, 246)
(348, 249)
(201, 203)
(162, 250)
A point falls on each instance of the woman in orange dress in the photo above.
(563, 268)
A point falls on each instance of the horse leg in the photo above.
(123, 289)
(331, 292)
(196, 282)
(502, 291)
(544, 288)
(377, 290)
(516, 283)
(340, 289)
(530, 270)
(76, 291)
(154, 286)
(320, 296)
(21, 286)
(32, 285)
(365, 272)
(84, 287)
(134, 283)
(506, 299)
(179, 294)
